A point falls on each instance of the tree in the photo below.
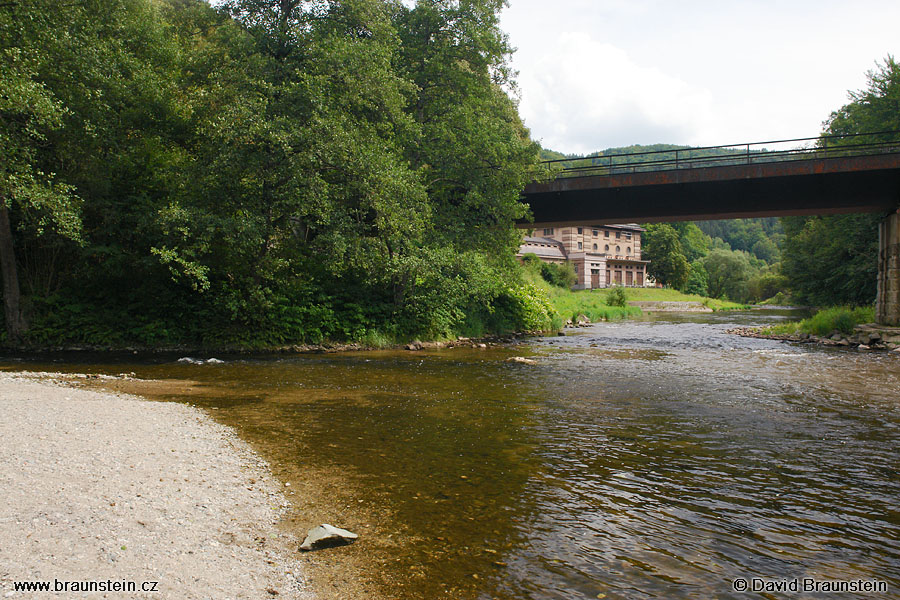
(694, 242)
(728, 272)
(766, 250)
(832, 260)
(873, 109)
(472, 150)
(31, 194)
(259, 171)
(766, 284)
(698, 281)
(662, 247)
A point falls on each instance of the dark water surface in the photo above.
(659, 458)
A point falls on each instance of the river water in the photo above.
(656, 458)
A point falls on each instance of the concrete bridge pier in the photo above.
(887, 304)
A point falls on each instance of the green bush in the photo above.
(524, 307)
(531, 260)
(616, 297)
(560, 275)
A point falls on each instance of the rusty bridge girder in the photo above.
(832, 185)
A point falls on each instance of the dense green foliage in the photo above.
(261, 173)
(561, 275)
(760, 237)
(661, 245)
(682, 256)
(567, 304)
(832, 260)
(616, 296)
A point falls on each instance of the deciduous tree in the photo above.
(662, 247)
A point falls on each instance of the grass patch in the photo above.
(569, 304)
(599, 305)
(377, 339)
(826, 321)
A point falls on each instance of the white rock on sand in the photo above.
(97, 486)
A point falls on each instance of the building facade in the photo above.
(603, 256)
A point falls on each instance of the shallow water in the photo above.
(652, 458)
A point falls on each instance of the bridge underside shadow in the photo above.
(804, 187)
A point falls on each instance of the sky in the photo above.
(595, 74)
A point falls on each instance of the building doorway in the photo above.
(629, 278)
(595, 278)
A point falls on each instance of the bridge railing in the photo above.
(829, 146)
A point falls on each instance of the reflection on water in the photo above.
(653, 458)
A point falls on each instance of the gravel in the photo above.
(100, 487)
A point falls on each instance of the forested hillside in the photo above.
(259, 173)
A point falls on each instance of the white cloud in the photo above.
(696, 72)
(584, 95)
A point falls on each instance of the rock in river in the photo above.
(522, 360)
(327, 536)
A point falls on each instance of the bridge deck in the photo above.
(801, 186)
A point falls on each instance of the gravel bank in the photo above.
(98, 487)
(669, 306)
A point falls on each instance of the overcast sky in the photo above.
(595, 74)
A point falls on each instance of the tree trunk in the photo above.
(15, 324)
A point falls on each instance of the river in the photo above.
(659, 457)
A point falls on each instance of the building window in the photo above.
(605, 234)
(580, 231)
(618, 249)
(627, 235)
(548, 231)
(595, 232)
(595, 246)
(628, 251)
(579, 246)
(606, 248)
(576, 268)
(618, 234)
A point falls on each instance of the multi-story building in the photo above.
(603, 256)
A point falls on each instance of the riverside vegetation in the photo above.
(837, 319)
(259, 173)
(555, 280)
(263, 173)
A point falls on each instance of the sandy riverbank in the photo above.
(98, 487)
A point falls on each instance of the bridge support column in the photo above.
(887, 304)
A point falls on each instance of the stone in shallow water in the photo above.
(327, 536)
(521, 359)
